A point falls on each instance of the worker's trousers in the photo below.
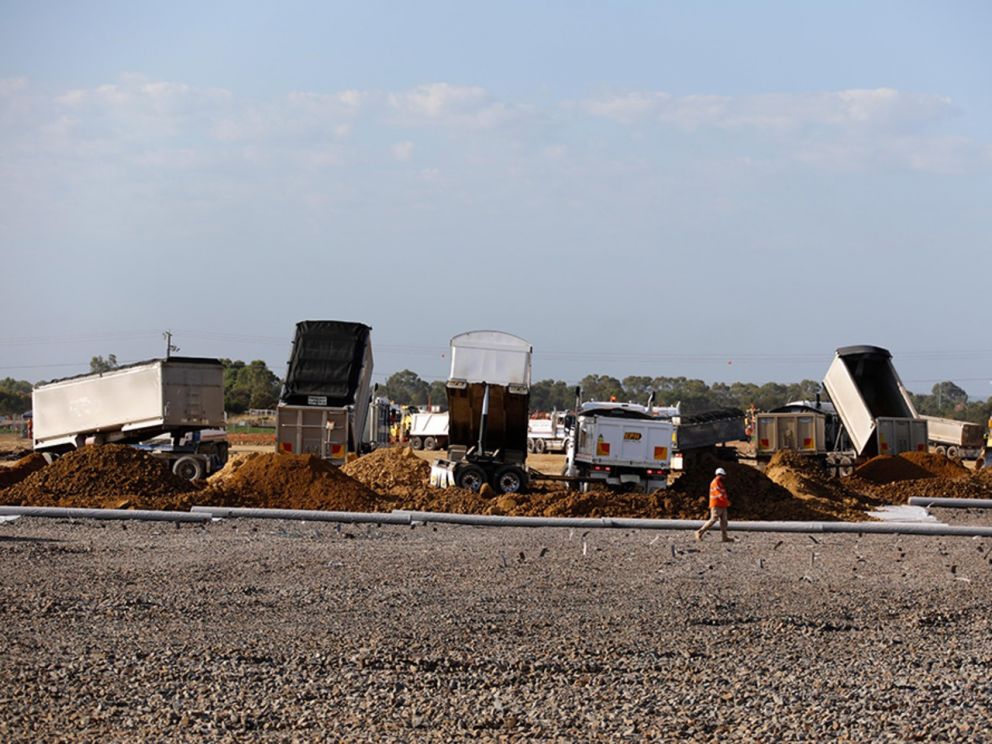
(717, 513)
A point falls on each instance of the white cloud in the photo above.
(881, 107)
(452, 105)
(403, 151)
(10, 86)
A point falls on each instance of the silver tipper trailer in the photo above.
(874, 406)
(172, 399)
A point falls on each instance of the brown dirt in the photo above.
(807, 480)
(20, 469)
(104, 476)
(241, 439)
(391, 471)
(283, 481)
(884, 469)
(938, 465)
(756, 496)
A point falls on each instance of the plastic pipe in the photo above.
(950, 503)
(303, 515)
(70, 513)
(482, 520)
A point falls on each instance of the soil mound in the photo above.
(940, 466)
(234, 462)
(805, 479)
(391, 471)
(109, 476)
(21, 469)
(755, 496)
(884, 469)
(898, 492)
(284, 481)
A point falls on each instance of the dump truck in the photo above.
(806, 427)
(164, 406)
(488, 391)
(959, 440)
(706, 433)
(325, 398)
(877, 413)
(624, 446)
(429, 431)
(547, 434)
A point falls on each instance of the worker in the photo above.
(719, 503)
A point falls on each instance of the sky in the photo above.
(724, 191)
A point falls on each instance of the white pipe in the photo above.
(483, 520)
(72, 513)
(950, 503)
(303, 515)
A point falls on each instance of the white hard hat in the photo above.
(721, 471)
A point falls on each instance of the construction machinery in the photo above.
(706, 433)
(429, 431)
(172, 408)
(547, 434)
(488, 391)
(959, 440)
(624, 446)
(325, 398)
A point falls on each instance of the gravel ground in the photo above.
(244, 630)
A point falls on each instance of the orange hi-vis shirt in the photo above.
(718, 494)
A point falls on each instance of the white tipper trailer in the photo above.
(165, 403)
(429, 431)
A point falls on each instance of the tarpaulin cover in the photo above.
(326, 362)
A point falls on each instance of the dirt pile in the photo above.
(104, 476)
(391, 471)
(805, 479)
(21, 469)
(234, 462)
(940, 466)
(283, 481)
(884, 469)
(755, 496)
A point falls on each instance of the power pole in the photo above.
(169, 348)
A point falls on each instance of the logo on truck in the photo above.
(633, 436)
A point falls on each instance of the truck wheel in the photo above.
(470, 477)
(417, 443)
(510, 479)
(952, 452)
(188, 468)
(540, 446)
(430, 443)
(941, 450)
(530, 445)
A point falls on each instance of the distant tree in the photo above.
(15, 396)
(551, 395)
(601, 387)
(637, 388)
(438, 394)
(406, 388)
(99, 364)
(247, 386)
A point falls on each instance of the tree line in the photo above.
(253, 385)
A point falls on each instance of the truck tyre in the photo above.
(510, 479)
(470, 477)
(540, 446)
(952, 452)
(530, 445)
(417, 443)
(941, 450)
(430, 443)
(188, 468)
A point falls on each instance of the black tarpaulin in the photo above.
(326, 363)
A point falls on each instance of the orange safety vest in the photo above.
(718, 494)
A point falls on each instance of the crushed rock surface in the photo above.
(244, 630)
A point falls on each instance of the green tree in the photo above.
(601, 387)
(15, 396)
(551, 395)
(98, 364)
(438, 394)
(406, 388)
(251, 385)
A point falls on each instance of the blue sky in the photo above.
(717, 190)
